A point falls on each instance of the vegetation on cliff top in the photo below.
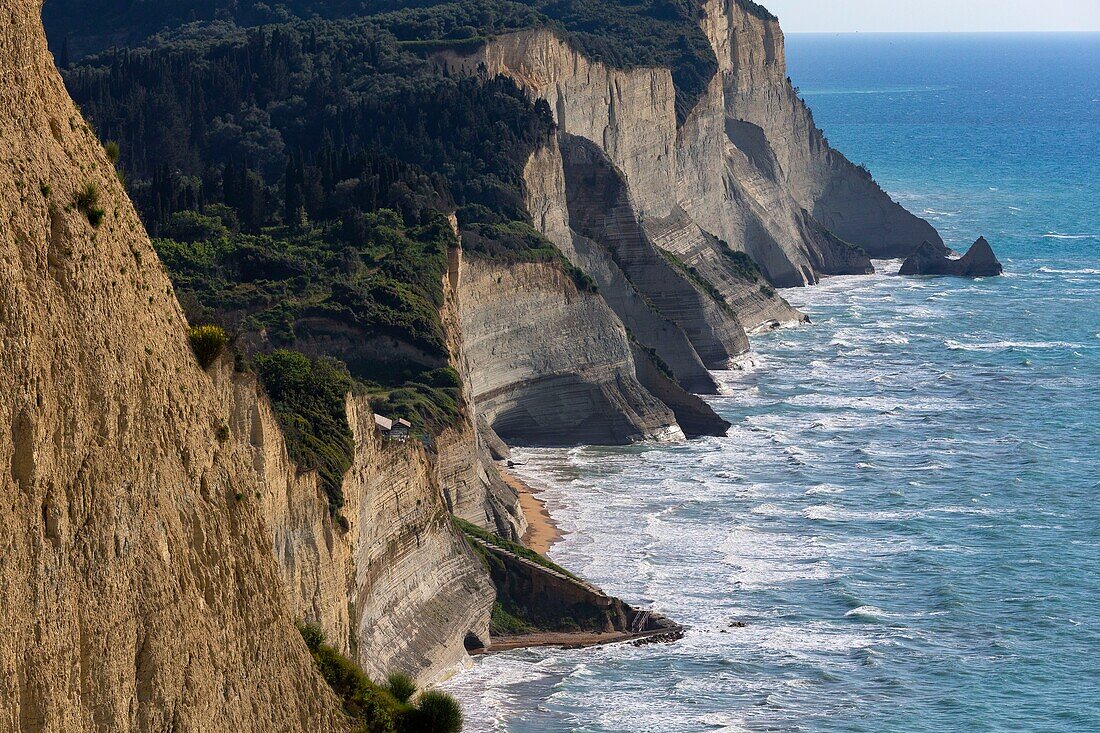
(308, 396)
(297, 179)
(378, 709)
(623, 34)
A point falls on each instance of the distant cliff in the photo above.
(686, 225)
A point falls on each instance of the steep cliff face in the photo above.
(397, 589)
(138, 593)
(472, 485)
(551, 364)
(747, 169)
(768, 121)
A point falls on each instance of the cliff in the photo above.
(550, 363)
(396, 588)
(761, 103)
(747, 167)
(138, 593)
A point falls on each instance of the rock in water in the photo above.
(979, 261)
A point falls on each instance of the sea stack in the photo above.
(979, 261)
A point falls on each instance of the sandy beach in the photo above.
(541, 532)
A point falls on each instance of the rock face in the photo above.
(471, 483)
(769, 123)
(137, 592)
(747, 168)
(979, 261)
(550, 364)
(397, 589)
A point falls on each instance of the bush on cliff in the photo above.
(87, 202)
(436, 712)
(309, 398)
(401, 686)
(208, 342)
(379, 709)
(373, 708)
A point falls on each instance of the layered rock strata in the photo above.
(396, 587)
(551, 364)
(747, 169)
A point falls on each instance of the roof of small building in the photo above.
(383, 422)
(403, 423)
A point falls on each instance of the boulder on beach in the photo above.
(979, 261)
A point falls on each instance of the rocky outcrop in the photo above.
(550, 364)
(138, 589)
(551, 600)
(395, 588)
(695, 417)
(979, 261)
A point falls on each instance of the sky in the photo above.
(913, 16)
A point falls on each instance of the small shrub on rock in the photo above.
(87, 201)
(401, 686)
(437, 712)
(208, 342)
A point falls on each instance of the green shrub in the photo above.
(437, 712)
(113, 151)
(374, 708)
(309, 398)
(87, 201)
(208, 342)
(502, 622)
(401, 686)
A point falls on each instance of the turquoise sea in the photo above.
(906, 514)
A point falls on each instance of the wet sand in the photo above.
(541, 532)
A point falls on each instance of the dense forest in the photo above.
(297, 180)
(623, 33)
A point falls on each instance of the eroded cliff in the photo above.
(138, 588)
(550, 363)
(395, 587)
(747, 167)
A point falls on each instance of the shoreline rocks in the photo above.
(979, 261)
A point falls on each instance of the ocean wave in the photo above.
(868, 613)
(1057, 235)
(1056, 271)
(1004, 345)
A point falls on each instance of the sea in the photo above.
(902, 530)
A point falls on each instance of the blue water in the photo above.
(905, 514)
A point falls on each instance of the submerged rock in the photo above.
(979, 261)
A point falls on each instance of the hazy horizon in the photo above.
(937, 16)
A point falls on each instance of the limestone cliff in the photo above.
(747, 169)
(769, 123)
(396, 588)
(138, 589)
(550, 363)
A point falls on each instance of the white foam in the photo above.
(1082, 271)
(1057, 235)
(1003, 345)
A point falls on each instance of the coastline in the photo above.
(542, 532)
(580, 640)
